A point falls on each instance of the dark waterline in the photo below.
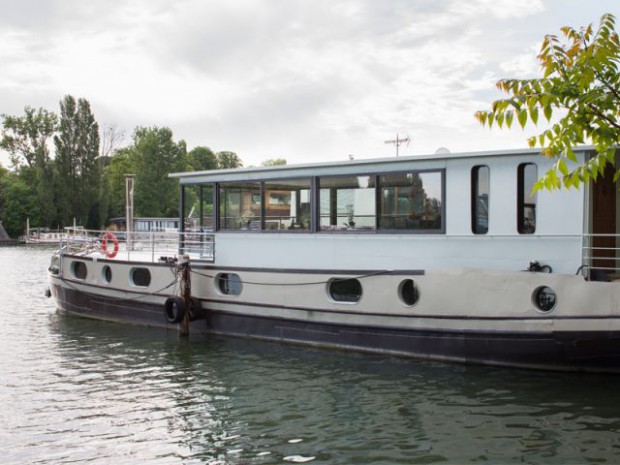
(81, 391)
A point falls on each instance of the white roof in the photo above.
(360, 166)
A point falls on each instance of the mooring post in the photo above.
(186, 293)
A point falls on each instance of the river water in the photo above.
(80, 391)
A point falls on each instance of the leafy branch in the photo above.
(580, 82)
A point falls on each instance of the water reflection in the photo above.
(220, 400)
(74, 391)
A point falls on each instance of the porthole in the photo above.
(79, 270)
(408, 292)
(106, 274)
(544, 298)
(344, 290)
(229, 283)
(140, 277)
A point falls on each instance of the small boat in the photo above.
(448, 257)
(46, 236)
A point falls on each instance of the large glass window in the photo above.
(287, 204)
(480, 176)
(191, 204)
(240, 206)
(347, 203)
(206, 210)
(527, 175)
(411, 201)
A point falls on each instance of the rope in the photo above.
(311, 283)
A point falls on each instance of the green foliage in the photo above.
(113, 185)
(153, 156)
(18, 201)
(274, 162)
(26, 137)
(77, 169)
(228, 160)
(80, 183)
(201, 159)
(580, 82)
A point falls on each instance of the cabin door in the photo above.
(604, 194)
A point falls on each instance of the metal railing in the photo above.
(601, 254)
(141, 245)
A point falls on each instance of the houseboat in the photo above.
(448, 257)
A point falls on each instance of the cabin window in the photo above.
(408, 292)
(287, 204)
(411, 201)
(480, 176)
(140, 277)
(106, 274)
(347, 203)
(240, 207)
(344, 290)
(78, 269)
(197, 208)
(527, 175)
(229, 283)
(206, 208)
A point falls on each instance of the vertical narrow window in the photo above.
(206, 208)
(480, 176)
(527, 175)
(191, 207)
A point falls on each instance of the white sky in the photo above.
(304, 80)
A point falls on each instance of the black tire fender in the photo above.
(174, 309)
(195, 311)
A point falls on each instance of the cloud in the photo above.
(525, 65)
(318, 79)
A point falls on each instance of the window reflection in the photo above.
(526, 207)
(238, 209)
(347, 203)
(480, 199)
(287, 204)
(411, 201)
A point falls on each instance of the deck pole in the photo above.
(186, 294)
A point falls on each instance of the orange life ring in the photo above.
(104, 245)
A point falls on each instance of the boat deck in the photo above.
(141, 247)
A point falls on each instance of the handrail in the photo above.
(141, 245)
(601, 253)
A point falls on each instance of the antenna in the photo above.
(398, 141)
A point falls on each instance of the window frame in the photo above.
(442, 180)
(475, 205)
(521, 204)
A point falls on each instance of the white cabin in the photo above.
(470, 210)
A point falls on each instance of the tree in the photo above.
(111, 139)
(228, 160)
(26, 137)
(274, 162)
(18, 201)
(153, 156)
(581, 82)
(113, 185)
(78, 172)
(201, 159)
